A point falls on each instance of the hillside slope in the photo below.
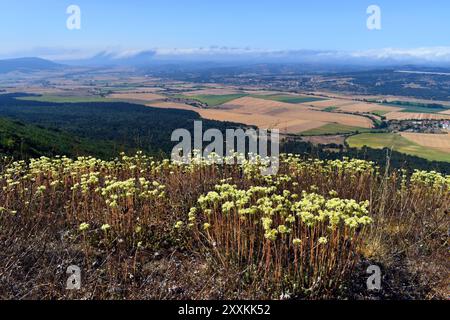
(25, 141)
(27, 64)
(126, 126)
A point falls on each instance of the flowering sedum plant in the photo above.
(299, 231)
(301, 239)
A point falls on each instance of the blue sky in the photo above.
(40, 26)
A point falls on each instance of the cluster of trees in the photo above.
(23, 141)
(381, 156)
(111, 126)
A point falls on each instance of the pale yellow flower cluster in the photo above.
(431, 179)
(115, 190)
(280, 212)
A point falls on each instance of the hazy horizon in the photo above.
(410, 31)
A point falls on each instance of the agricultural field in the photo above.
(289, 98)
(137, 96)
(65, 99)
(262, 92)
(398, 143)
(393, 110)
(268, 113)
(333, 128)
(352, 106)
(265, 121)
(363, 107)
(416, 107)
(379, 113)
(308, 232)
(286, 114)
(436, 141)
(214, 96)
(416, 116)
(325, 139)
(408, 100)
(214, 100)
(37, 90)
(212, 91)
(327, 103)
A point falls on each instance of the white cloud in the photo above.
(431, 54)
(413, 55)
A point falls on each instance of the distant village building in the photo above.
(446, 125)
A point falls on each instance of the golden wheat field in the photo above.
(287, 112)
(261, 121)
(437, 141)
(264, 121)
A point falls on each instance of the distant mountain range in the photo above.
(183, 61)
(27, 65)
(376, 58)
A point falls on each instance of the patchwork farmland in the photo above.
(286, 115)
(315, 117)
(266, 111)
